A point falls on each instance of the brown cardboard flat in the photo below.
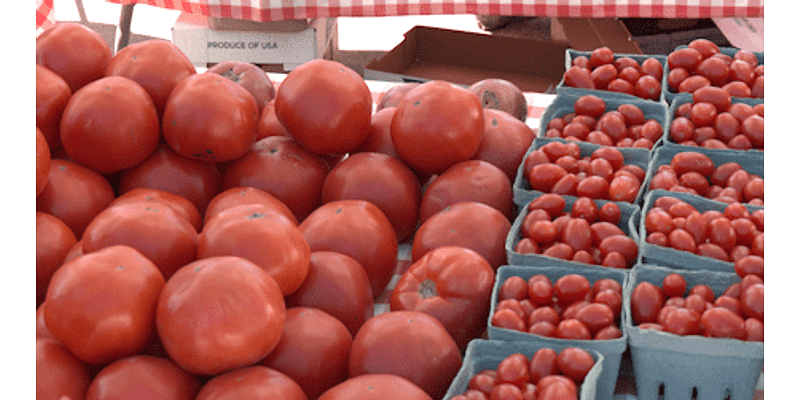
(464, 58)
(584, 34)
(235, 24)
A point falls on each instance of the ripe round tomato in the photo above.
(379, 386)
(156, 65)
(100, 332)
(505, 141)
(358, 229)
(313, 351)
(281, 167)
(382, 180)
(59, 374)
(268, 124)
(338, 285)
(158, 232)
(218, 314)
(52, 95)
(109, 125)
(437, 125)
(379, 136)
(42, 161)
(262, 236)
(246, 195)
(410, 344)
(452, 284)
(54, 239)
(196, 180)
(180, 204)
(142, 376)
(255, 383)
(502, 95)
(211, 118)
(392, 96)
(469, 224)
(325, 106)
(471, 180)
(73, 51)
(250, 77)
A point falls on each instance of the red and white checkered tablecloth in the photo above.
(45, 17)
(274, 10)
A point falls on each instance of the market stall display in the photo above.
(224, 305)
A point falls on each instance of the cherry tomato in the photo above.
(715, 69)
(578, 77)
(454, 285)
(410, 344)
(572, 329)
(437, 125)
(609, 212)
(73, 51)
(376, 386)
(211, 118)
(586, 208)
(723, 323)
(52, 95)
(330, 228)
(469, 224)
(595, 316)
(101, 332)
(220, 313)
(646, 301)
(752, 299)
(648, 87)
(676, 76)
(260, 235)
(552, 203)
(687, 58)
(508, 319)
(59, 374)
(156, 65)
(590, 105)
(313, 350)
(557, 387)
(755, 330)
(578, 234)
(692, 83)
(570, 288)
(575, 363)
(141, 376)
(623, 245)
(255, 382)
(682, 321)
(651, 66)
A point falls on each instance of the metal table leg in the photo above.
(125, 25)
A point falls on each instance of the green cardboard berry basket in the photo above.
(610, 349)
(689, 367)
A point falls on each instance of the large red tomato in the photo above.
(469, 224)
(268, 123)
(156, 65)
(180, 204)
(410, 344)
(74, 194)
(218, 314)
(452, 284)
(157, 231)
(41, 326)
(52, 95)
(249, 76)
(109, 125)
(42, 161)
(376, 387)
(211, 118)
(358, 229)
(143, 377)
(281, 167)
(259, 234)
(436, 125)
(505, 141)
(379, 135)
(196, 180)
(313, 350)
(382, 180)
(101, 306)
(471, 180)
(246, 195)
(54, 240)
(59, 374)
(252, 383)
(325, 106)
(338, 285)
(393, 95)
(73, 51)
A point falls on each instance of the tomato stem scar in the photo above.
(427, 289)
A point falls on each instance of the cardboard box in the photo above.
(584, 34)
(662, 36)
(279, 50)
(428, 53)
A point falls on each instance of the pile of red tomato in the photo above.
(702, 64)
(604, 70)
(212, 235)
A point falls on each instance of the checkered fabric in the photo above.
(275, 10)
(45, 17)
